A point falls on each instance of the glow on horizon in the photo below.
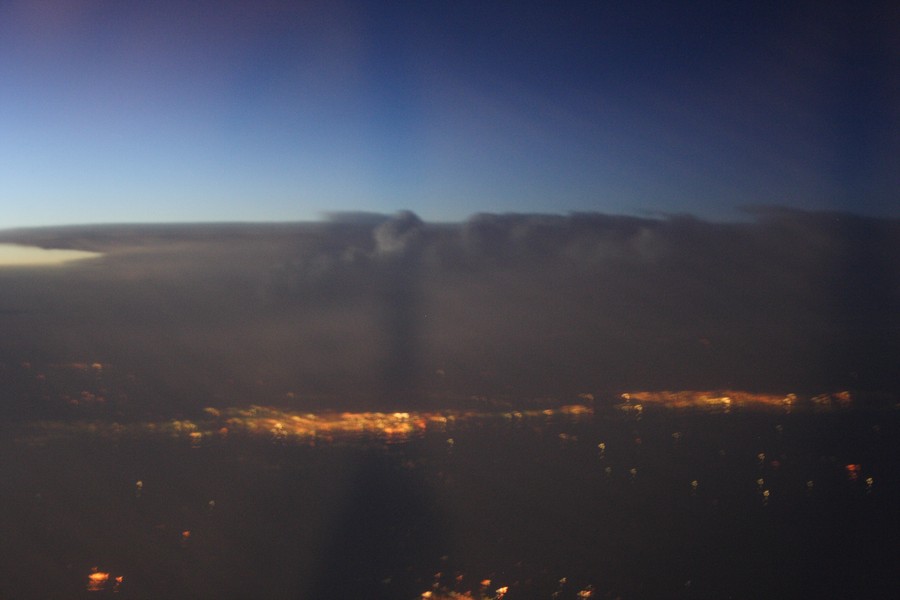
(15, 255)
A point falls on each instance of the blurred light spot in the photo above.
(15, 255)
(97, 580)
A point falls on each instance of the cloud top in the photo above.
(397, 310)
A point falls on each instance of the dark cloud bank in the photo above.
(388, 311)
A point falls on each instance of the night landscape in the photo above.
(449, 301)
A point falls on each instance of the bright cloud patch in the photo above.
(16, 255)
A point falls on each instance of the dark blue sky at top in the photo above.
(168, 110)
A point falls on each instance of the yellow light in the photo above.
(97, 580)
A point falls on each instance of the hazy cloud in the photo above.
(399, 234)
(362, 310)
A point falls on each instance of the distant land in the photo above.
(388, 312)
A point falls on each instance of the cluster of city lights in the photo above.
(101, 581)
(725, 399)
(285, 425)
(488, 591)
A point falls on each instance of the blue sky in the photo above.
(157, 111)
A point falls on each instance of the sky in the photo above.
(167, 110)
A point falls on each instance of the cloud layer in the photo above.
(361, 310)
